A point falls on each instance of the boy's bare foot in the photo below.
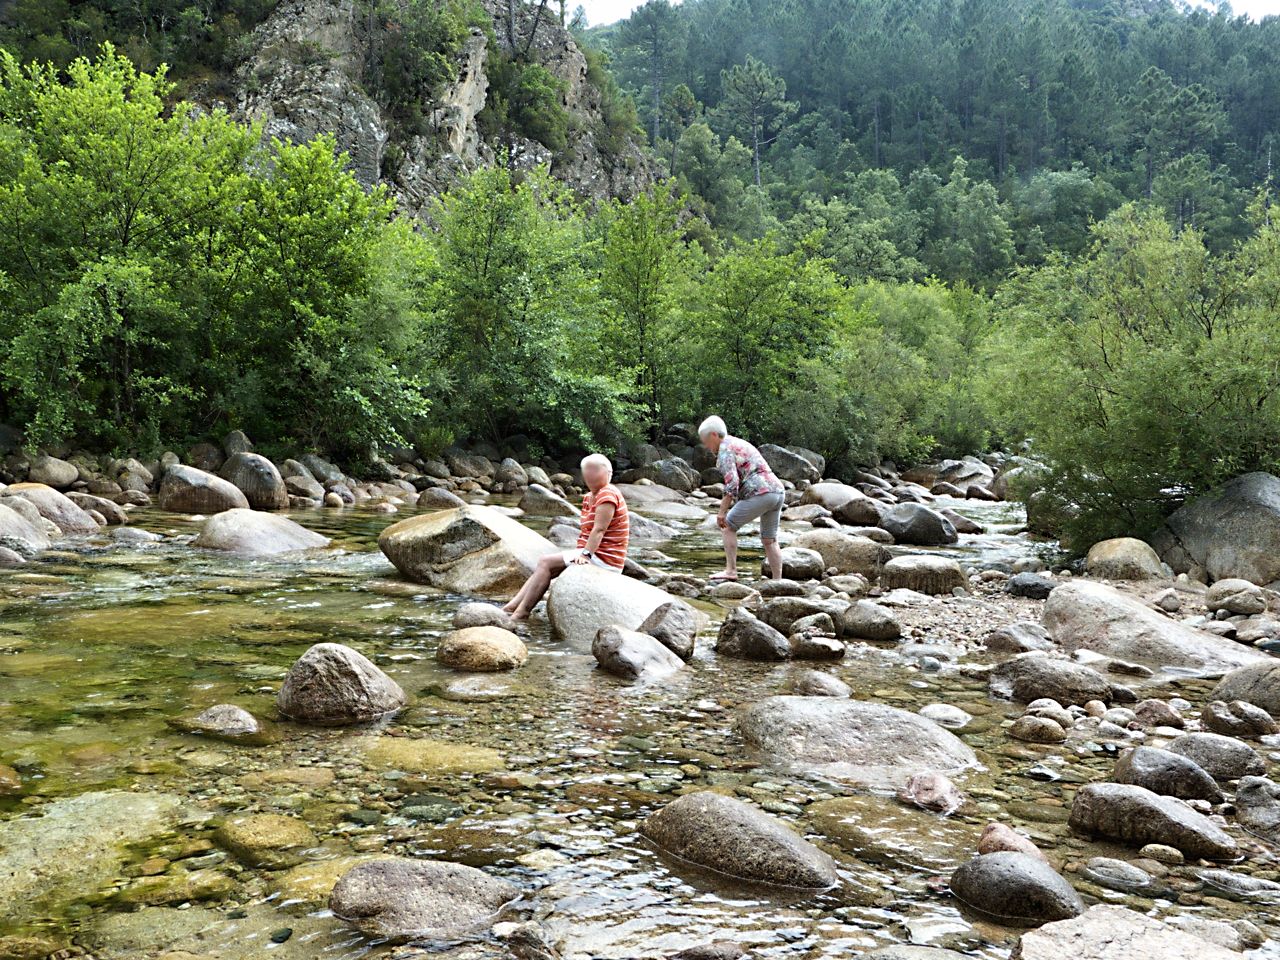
(724, 575)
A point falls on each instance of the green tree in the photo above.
(755, 100)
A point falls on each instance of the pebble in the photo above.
(1161, 853)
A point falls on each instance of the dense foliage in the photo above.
(852, 112)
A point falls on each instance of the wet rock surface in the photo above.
(1015, 887)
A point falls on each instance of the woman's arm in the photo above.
(604, 516)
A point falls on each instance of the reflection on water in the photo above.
(101, 644)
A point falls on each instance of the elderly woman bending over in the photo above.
(751, 492)
(602, 537)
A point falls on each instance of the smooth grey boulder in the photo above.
(1237, 597)
(52, 472)
(788, 464)
(109, 510)
(1083, 615)
(538, 501)
(484, 615)
(1237, 719)
(746, 637)
(633, 655)
(916, 524)
(1233, 531)
(1123, 558)
(816, 683)
(843, 551)
(185, 489)
(332, 685)
(923, 573)
(399, 900)
(1223, 758)
(585, 598)
(19, 534)
(782, 613)
(1257, 683)
(865, 620)
(1135, 815)
(731, 837)
(1021, 636)
(224, 720)
(1030, 676)
(851, 740)
(1166, 773)
(256, 534)
(1030, 585)
(53, 506)
(798, 563)
(258, 479)
(1015, 887)
(1258, 807)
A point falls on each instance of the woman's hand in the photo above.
(722, 521)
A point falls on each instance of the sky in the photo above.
(600, 12)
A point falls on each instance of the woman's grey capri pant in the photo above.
(767, 508)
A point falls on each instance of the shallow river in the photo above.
(103, 643)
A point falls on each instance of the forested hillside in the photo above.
(851, 114)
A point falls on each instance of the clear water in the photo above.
(102, 643)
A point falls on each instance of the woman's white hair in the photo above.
(597, 460)
(713, 425)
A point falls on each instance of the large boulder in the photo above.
(19, 534)
(1258, 807)
(1237, 597)
(672, 473)
(1257, 683)
(332, 686)
(1166, 773)
(731, 837)
(633, 655)
(1124, 558)
(52, 472)
(1015, 887)
(1082, 615)
(463, 464)
(109, 510)
(1223, 758)
(1135, 815)
(188, 490)
(258, 479)
(847, 553)
(851, 740)
(483, 649)
(865, 620)
(923, 574)
(538, 501)
(53, 506)
(831, 494)
(1233, 531)
(399, 899)
(585, 598)
(468, 549)
(1031, 676)
(1107, 932)
(675, 625)
(746, 637)
(789, 464)
(916, 524)
(256, 534)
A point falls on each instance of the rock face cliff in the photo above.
(302, 78)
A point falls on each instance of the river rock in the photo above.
(436, 498)
(332, 685)
(188, 490)
(585, 598)
(731, 837)
(1106, 932)
(997, 838)
(633, 655)
(1234, 531)
(53, 506)
(1258, 683)
(484, 649)
(674, 625)
(1135, 815)
(882, 829)
(932, 791)
(1237, 597)
(788, 463)
(1166, 773)
(923, 574)
(1083, 615)
(916, 524)
(59, 850)
(399, 899)
(670, 472)
(745, 636)
(538, 501)
(251, 533)
(816, 683)
(783, 613)
(851, 740)
(1015, 887)
(1223, 758)
(266, 840)
(830, 495)
(258, 479)
(1258, 807)
(1034, 729)
(847, 553)
(1237, 719)
(1124, 558)
(798, 563)
(321, 469)
(1022, 636)
(19, 534)
(52, 472)
(224, 720)
(1030, 676)
(469, 549)
(307, 487)
(865, 620)
(484, 615)
(1030, 585)
(110, 511)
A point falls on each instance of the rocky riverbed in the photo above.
(131, 832)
